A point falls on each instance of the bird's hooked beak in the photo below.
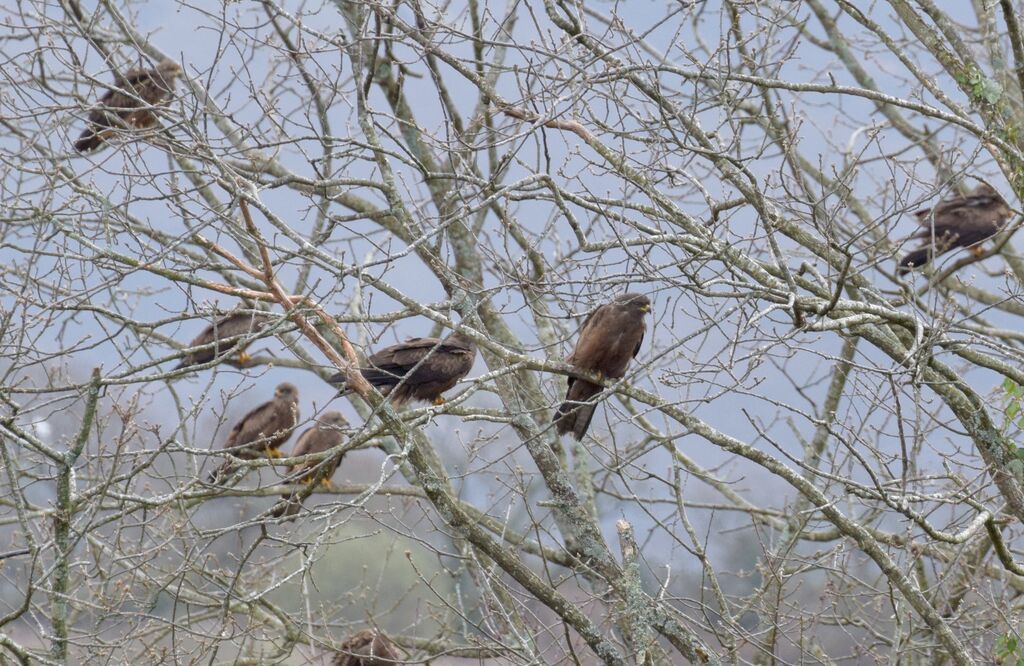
(645, 308)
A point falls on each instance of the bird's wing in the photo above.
(239, 324)
(959, 213)
(228, 330)
(145, 84)
(303, 446)
(590, 325)
(122, 95)
(643, 332)
(136, 76)
(455, 347)
(231, 326)
(444, 365)
(365, 646)
(401, 357)
(113, 102)
(949, 224)
(204, 338)
(268, 418)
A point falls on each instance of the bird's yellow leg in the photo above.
(274, 453)
(439, 400)
(243, 357)
(326, 483)
(977, 251)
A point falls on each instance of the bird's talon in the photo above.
(438, 401)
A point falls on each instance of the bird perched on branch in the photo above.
(129, 103)
(324, 436)
(224, 336)
(261, 432)
(418, 369)
(961, 221)
(609, 339)
(367, 648)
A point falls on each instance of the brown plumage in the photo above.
(609, 339)
(367, 648)
(957, 222)
(224, 336)
(129, 104)
(324, 436)
(418, 369)
(261, 432)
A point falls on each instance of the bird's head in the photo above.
(638, 302)
(458, 337)
(984, 189)
(333, 420)
(168, 68)
(987, 196)
(286, 391)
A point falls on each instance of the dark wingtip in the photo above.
(566, 419)
(88, 142)
(584, 415)
(915, 259)
(576, 412)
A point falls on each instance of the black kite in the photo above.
(324, 436)
(261, 432)
(367, 648)
(129, 103)
(224, 336)
(962, 221)
(609, 339)
(419, 368)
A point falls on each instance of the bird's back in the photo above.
(607, 341)
(275, 416)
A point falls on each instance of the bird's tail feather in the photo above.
(380, 378)
(339, 381)
(89, 141)
(584, 414)
(574, 415)
(915, 259)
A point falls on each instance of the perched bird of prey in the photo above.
(129, 104)
(224, 336)
(261, 432)
(367, 648)
(324, 436)
(958, 222)
(419, 368)
(609, 339)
